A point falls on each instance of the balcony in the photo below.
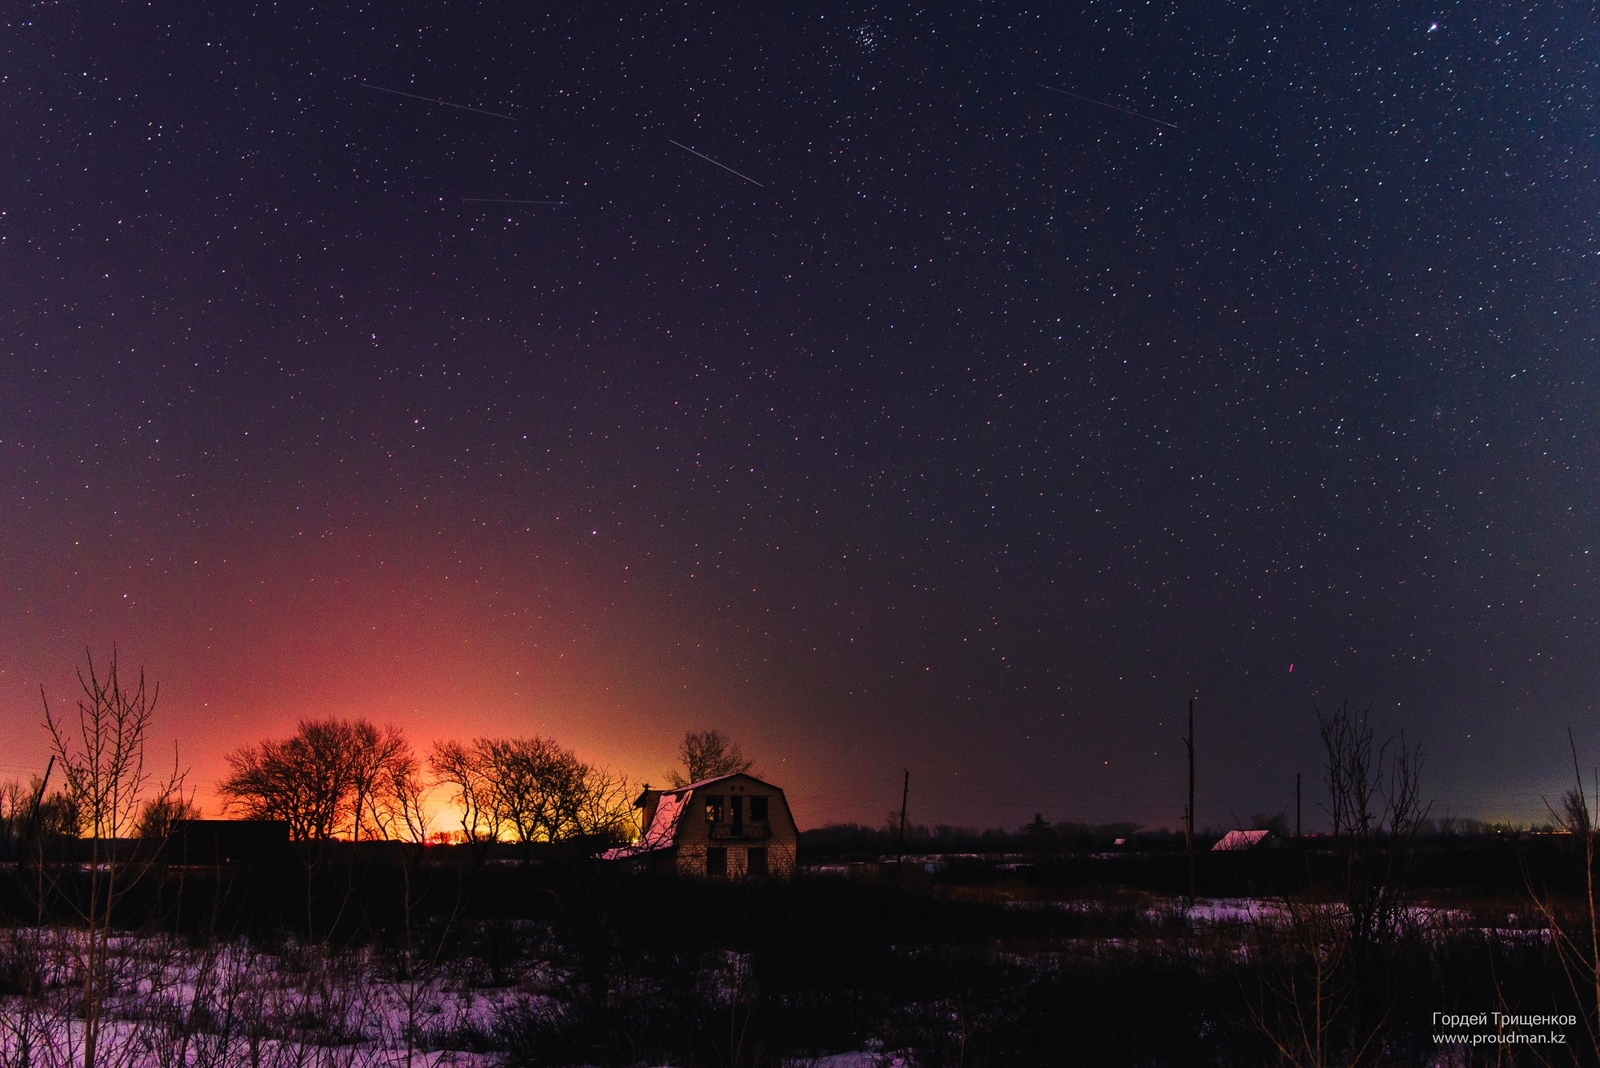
(750, 829)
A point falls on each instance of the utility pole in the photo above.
(1188, 812)
(900, 847)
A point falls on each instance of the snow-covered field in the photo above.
(169, 1003)
(1159, 913)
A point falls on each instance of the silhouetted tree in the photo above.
(465, 769)
(606, 808)
(333, 777)
(385, 791)
(19, 822)
(538, 785)
(1576, 938)
(1377, 809)
(161, 813)
(394, 802)
(531, 790)
(11, 808)
(1327, 990)
(708, 754)
(56, 817)
(102, 758)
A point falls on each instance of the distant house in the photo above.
(1244, 841)
(730, 827)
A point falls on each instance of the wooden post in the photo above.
(33, 831)
(900, 847)
(1188, 812)
(38, 795)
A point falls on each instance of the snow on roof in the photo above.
(663, 829)
(662, 832)
(1235, 840)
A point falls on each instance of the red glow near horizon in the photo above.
(444, 642)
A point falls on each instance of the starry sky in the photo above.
(1012, 375)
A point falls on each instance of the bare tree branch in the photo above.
(708, 754)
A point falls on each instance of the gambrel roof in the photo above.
(670, 806)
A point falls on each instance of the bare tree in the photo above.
(464, 768)
(708, 754)
(52, 817)
(1325, 994)
(169, 806)
(383, 775)
(43, 826)
(1577, 943)
(102, 758)
(1304, 1001)
(1347, 746)
(606, 806)
(303, 781)
(161, 814)
(538, 787)
(395, 805)
(1377, 808)
(397, 813)
(333, 777)
(16, 804)
(530, 790)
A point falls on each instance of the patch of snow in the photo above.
(662, 832)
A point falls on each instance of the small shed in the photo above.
(729, 827)
(1246, 841)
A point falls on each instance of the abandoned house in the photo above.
(730, 827)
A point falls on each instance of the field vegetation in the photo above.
(358, 935)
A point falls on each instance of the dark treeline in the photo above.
(346, 893)
(1477, 868)
(859, 841)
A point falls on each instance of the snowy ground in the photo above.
(170, 1004)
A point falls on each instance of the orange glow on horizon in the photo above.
(486, 648)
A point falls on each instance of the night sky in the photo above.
(970, 427)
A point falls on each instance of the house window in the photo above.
(737, 804)
(717, 862)
(758, 810)
(713, 810)
(756, 865)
